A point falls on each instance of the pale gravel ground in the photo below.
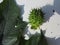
(52, 26)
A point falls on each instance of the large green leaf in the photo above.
(11, 14)
(3, 6)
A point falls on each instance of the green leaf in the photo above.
(11, 13)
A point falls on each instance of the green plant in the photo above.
(34, 40)
(11, 14)
(3, 6)
(36, 18)
(42, 40)
(20, 26)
